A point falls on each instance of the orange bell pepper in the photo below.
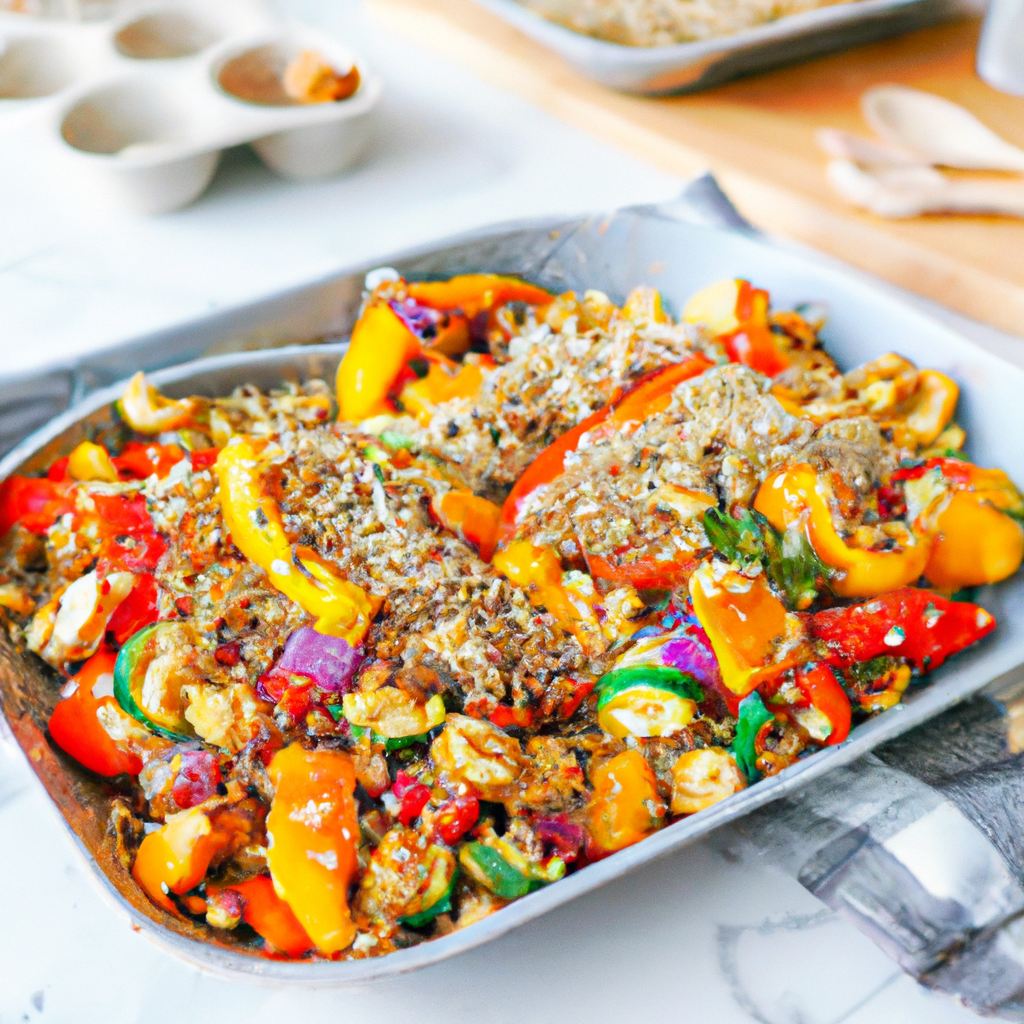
(472, 518)
(977, 538)
(175, 858)
(444, 381)
(625, 806)
(642, 573)
(380, 347)
(313, 829)
(976, 544)
(539, 572)
(270, 917)
(474, 293)
(75, 728)
(748, 627)
(795, 494)
(648, 396)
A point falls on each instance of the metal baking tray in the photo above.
(677, 248)
(689, 67)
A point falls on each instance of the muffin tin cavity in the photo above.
(131, 118)
(141, 107)
(35, 66)
(165, 35)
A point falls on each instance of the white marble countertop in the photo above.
(692, 938)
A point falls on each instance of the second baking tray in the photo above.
(659, 246)
(687, 67)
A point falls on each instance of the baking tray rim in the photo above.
(788, 27)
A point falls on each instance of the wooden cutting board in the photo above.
(757, 135)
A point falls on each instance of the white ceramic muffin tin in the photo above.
(139, 107)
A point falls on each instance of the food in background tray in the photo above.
(539, 575)
(309, 78)
(664, 22)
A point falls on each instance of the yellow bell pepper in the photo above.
(145, 410)
(795, 494)
(254, 522)
(392, 713)
(716, 306)
(643, 304)
(539, 572)
(927, 412)
(177, 856)
(748, 627)
(312, 831)
(380, 347)
(91, 462)
(626, 805)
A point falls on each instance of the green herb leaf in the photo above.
(737, 538)
(753, 714)
(395, 441)
(794, 566)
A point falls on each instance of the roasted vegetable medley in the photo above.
(539, 576)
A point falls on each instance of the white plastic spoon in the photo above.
(937, 130)
(842, 145)
(899, 192)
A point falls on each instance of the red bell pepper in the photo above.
(503, 716)
(59, 470)
(414, 796)
(455, 818)
(75, 728)
(952, 469)
(130, 539)
(36, 503)
(650, 394)
(581, 690)
(139, 460)
(823, 691)
(137, 610)
(753, 343)
(203, 458)
(921, 626)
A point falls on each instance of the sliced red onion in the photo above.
(560, 833)
(329, 661)
(421, 320)
(691, 653)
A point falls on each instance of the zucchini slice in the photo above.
(147, 684)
